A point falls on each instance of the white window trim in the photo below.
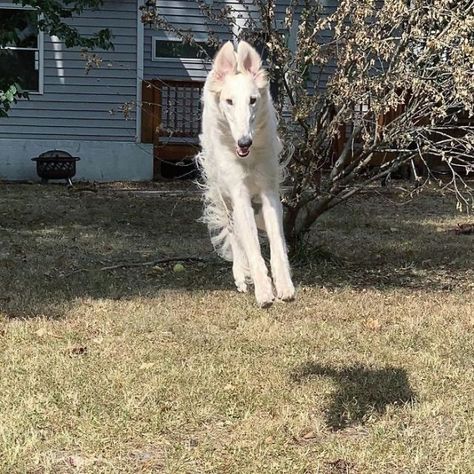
(40, 91)
(199, 38)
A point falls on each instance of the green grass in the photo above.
(147, 370)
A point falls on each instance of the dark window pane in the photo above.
(176, 49)
(18, 28)
(21, 67)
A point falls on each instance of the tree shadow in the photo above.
(380, 244)
(55, 244)
(361, 391)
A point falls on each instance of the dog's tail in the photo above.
(217, 212)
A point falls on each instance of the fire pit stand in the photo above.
(56, 164)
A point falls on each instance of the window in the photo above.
(21, 51)
(172, 48)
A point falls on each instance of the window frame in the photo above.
(39, 49)
(198, 38)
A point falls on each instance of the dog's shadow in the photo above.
(361, 391)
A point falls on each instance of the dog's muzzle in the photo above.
(243, 146)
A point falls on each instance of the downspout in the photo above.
(140, 69)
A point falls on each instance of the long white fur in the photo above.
(231, 183)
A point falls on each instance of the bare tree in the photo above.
(362, 90)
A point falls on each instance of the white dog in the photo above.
(240, 166)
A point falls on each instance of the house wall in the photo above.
(322, 76)
(182, 15)
(186, 15)
(79, 109)
(100, 160)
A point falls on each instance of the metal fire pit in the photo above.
(56, 164)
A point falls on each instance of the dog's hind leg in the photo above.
(240, 265)
(259, 220)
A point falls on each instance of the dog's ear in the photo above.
(224, 63)
(248, 60)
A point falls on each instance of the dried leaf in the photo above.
(77, 461)
(147, 365)
(309, 435)
(41, 332)
(305, 436)
(373, 324)
(78, 351)
(341, 466)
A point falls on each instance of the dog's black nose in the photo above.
(245, 142)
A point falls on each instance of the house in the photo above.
(90, 104)
(76, 110)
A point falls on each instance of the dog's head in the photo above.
(240, 84)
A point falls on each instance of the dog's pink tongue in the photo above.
(242, 151)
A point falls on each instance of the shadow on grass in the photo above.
(361, 391)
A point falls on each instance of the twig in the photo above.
(153, 262)
(139, 264)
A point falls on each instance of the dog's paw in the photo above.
(264, 295)
(286, 291)
(241, 277)
(265, 303)
(241, 286)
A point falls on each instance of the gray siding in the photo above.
(80, 105)
(186, 15)
(328, 8)
(182, 15)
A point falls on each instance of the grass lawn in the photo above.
(145, 369)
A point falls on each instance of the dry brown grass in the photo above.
(148, 370)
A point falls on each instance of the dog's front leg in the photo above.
(246, 229)
(240, 266)
(272, 211)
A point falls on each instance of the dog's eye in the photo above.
(229, 101)
(253, 100)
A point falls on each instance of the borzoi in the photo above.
(241, 170)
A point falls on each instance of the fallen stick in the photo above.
(153, 263)
(139, 264)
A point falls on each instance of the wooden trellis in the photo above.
(171, 120)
